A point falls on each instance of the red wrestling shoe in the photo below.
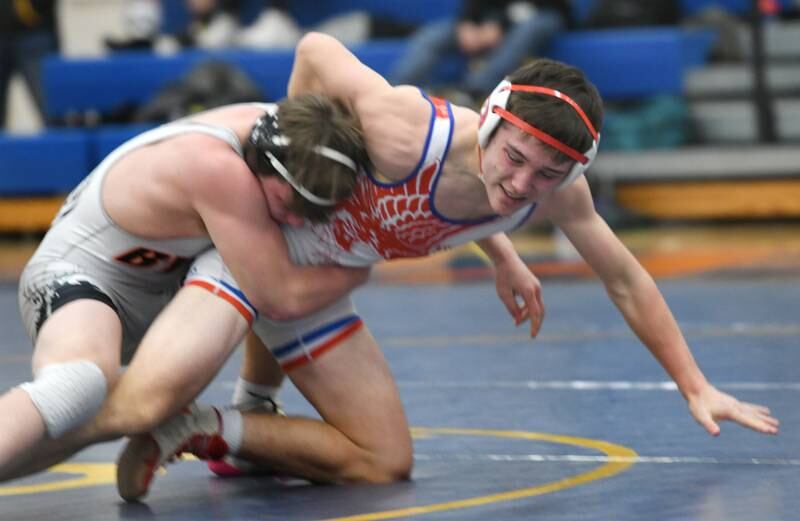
(197, 430)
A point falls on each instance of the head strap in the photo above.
(494, 110)
(278, 166)
(535, 89)
(267, 138)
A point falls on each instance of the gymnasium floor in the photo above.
(580, 424)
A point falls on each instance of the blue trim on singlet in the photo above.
(524, 219)
(437, 175)
(310, 337)
(417, 169)
(239, 294)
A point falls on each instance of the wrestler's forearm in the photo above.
(650, 318)
(498, 248)
(311, 289)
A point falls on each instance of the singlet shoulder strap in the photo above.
(437, 141)
(223, 133)
(440, 132)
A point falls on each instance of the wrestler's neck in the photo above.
(460, 193)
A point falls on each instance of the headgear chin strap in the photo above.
(267, 139)
(494, 111)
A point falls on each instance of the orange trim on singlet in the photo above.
(216, 290)
(322, 348)
(440, 106)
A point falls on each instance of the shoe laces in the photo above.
(202, 446)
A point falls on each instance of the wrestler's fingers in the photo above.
(759, 408)
(763, 414)
(753, 421)
(536, 314)
(533, 309)
(510, 302)
(704, 418)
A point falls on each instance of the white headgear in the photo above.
(266, 138)
(494, 110)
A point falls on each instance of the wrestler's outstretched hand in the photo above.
(710, 406)
(521, 292)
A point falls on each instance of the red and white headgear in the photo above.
(494, 110)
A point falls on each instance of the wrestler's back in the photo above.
(157, 176)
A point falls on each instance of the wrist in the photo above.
(692, 387)
(499, 249)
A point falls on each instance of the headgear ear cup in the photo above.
(489, 118)
(578, 169)
(494, 110)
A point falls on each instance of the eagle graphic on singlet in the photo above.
(382, 221)
(395, 221)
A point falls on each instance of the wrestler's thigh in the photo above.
(83, 329)
(186, 346)
(354, 390)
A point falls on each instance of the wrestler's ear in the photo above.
(294, 220)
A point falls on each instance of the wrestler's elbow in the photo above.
(276, 311)
(302, 297)
(286, 304)
(311, 43)
(299, 301)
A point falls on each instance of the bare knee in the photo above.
(395, 468)
(383, 467)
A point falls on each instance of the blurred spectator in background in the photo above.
(27, 33)
(218, 23)
(273, 28)
(141, 21)
(215, 24)
(209, 84)
(632, 13)
(212, 23)
(502, 33)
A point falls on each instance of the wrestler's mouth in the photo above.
(512, 195)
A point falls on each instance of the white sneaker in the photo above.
(220, 33)
(272, 29)
(197, 430)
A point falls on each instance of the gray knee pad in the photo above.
(67, 394)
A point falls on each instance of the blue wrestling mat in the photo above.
(581, 424)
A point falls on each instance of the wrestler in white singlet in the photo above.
(86, 255)
(380, 221)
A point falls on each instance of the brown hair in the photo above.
(552, 115)
(314, 120)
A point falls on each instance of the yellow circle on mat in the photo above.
(86, 475)
(620, 458)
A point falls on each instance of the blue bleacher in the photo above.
(623, 64)
(108, 83)
(50, 162)
(630, 63)
(101, 141)
(740, 7)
